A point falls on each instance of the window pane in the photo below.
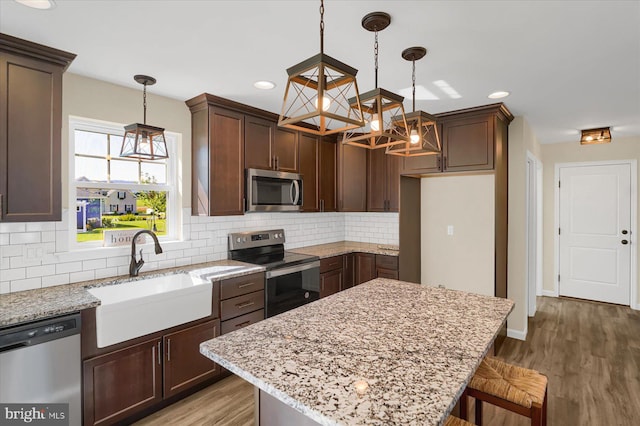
(124, 171)
(115, 145)
(154, 172)
(91, 169)
(99, 210)
(90, 143)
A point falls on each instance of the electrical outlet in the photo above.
(450, 230)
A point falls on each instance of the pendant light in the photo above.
(383, 111)
(323, 78)
(141, 140)
(422, 128)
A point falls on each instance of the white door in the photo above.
(595, 236)
(532, 234)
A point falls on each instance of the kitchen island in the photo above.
(384, 352)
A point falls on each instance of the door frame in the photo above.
(633, 164)
(533, 235)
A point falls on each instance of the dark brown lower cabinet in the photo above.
(349, 268)
(330, 282)
(365, 267)
(121, 383)
(387, 266)
(184, 365)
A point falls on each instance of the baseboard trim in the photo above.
(517, 334)
(549, 293)
(635, 306)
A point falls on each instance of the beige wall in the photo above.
(464, 260)
(89, 98)
(552, 154)
(521, 140)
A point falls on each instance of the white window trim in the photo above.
(174, 210)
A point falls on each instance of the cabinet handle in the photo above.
(438, 163)
(246, 285)
(243, 324)
(244, 305)
(159, 360)
(168, 349)
(321, 205)
(1, 207)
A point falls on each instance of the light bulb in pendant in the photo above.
(375, 125)
(415, 137)
(326, 103)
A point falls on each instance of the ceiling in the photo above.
(569, 65)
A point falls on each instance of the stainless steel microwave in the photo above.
(272, 191)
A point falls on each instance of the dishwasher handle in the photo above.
(37, 332)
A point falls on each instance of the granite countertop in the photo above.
(416, 346)
(48, 302)
(346, 247)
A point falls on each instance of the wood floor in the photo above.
(589, 351)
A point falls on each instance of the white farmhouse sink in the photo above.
(136, 308)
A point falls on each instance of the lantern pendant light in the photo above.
(141, 140)
(383, 111)
(421, 129)
(318, 91)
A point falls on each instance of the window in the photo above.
(118, 192)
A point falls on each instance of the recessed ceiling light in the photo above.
(38, 4)
(264, 85)
(499, 94)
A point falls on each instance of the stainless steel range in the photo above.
(293, 279)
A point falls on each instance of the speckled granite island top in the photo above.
(48, 302)
(345, 247)
(415, 346)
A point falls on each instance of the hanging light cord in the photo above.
(413, 84)
(375, 54)
(144, 103)
(321, 26)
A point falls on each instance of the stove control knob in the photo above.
(244, 239)
(238, 239)
(276, 236)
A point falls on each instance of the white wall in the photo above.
(464, 260)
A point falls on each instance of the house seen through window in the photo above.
(115, 193)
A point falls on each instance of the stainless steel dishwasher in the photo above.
(40, 363)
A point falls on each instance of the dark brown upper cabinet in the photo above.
(217, 167)
(317, 159)
(352, 178)
(31, 122)
(383, 181)
(468, 141)
(269, 147)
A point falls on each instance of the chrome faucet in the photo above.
(136, 265)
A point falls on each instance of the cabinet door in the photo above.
(468, 144)
(285, 150)
(122, 383)
(352, 178)
(393, 183)
(31, 117)
(327, 175)
(184, 365)
(330, 282)
(422, 164)
(309, 171)
(365, 267)
(349, 275)
(376, 180)
(258, 140)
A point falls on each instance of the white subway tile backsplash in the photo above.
(206, 241)
(5, 287)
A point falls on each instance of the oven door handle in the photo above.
(293, 269)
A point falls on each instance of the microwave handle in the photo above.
(296, 194)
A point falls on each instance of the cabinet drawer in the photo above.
(241, 285)
(386, 262)
(387, 273)
(330, 263)
(241, 321)
(241, 305)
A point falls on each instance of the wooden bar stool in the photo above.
(455, 421)
(513, 388)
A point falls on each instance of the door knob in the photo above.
(625, 232)
(625, 242)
